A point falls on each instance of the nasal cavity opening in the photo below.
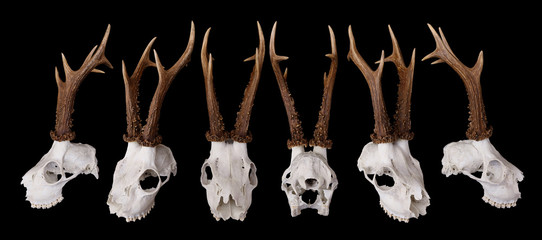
(311, 182)
(150, 180)
(309, 196)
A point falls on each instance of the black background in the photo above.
(37, 34)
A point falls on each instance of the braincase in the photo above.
(310, 163)
(463, 155)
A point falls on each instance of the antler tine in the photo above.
(150, 136)
(406, 76)
(321, 129)
(382, 132)
(296, 130)
(216, 131)
(67, 89)
(241, 133)
(131, 87)
(478, 129)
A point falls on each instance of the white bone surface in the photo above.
(127, 198)
(309, 171)
(499, 177)
(229, 177)
(44, 182)
(407, 198)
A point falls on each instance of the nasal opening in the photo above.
(311, 182)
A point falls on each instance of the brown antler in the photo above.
(406, 75)
(241, 133)
(67, 89)
(131, 87)
(478, 129)
(150, 136)
(295, 124)
(382, 132)
(216, 132)
(320, 131)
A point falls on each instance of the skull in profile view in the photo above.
(63, 162)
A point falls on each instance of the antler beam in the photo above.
(478, 129)
(296, 130)
(322, 126)
(406, 75)
(383, 131)
(131, 87)
(241, 133)
(217, 132)
(150, 136)
(67, 89)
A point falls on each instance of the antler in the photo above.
(406, 75)
(150, 136)
(295, 124)
(131, 87)
(382, 132)
(320, 131)
(67, 89)
(478, 129)
(241, 133)
(216, 132)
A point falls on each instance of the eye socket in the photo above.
(150, 180)
(495, 171)
(206, 174)
(52, 173)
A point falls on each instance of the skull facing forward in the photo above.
(229, 177)
(309, 182)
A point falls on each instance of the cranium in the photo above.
(131, 197)
(65, 160)
(388, 153)
(309, 181)
(228, 175)
(499, 177)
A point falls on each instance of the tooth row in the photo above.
(499, 205)
(139, 216)
(47, 205)
(391, 215)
